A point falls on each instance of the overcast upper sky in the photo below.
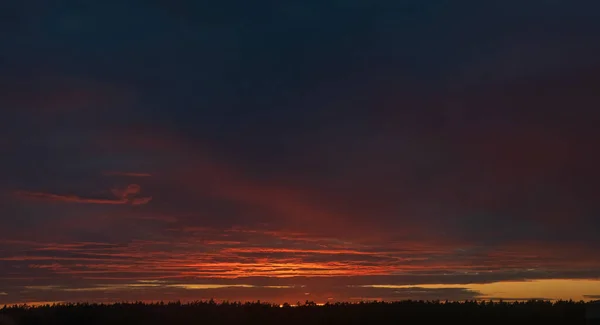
(293, 150)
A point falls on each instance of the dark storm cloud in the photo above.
(331, 142)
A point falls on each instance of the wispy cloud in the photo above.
(212, 254)
(141, 201)
(200, 266)
(127, 174)
(163, 218)
(125, 195)
(67, 198)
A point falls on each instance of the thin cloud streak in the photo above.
(127, 174)
(66, 198)
(125, 195)
(206, 255)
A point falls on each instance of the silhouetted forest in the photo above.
(210, 312)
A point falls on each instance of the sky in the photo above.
(299, 150)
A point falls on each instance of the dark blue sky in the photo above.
(238, 142)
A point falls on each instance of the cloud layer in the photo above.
(333, 151)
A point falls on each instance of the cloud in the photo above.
(416, 293)
(163, 218)
(125, 195)
(129, 193)
(127, 174)
(368, 181)
(141, 201)
(277, 258)
(247, 289)
(67, 198)
(278, 294)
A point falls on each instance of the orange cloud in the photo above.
(321, 239)
(295, 251)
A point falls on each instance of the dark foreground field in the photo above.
(405, 312)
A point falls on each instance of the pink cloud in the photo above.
(141, 201)
(130, 190)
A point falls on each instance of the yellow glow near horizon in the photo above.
(36, 303)
(553, 289)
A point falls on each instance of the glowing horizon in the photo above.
(344, 150)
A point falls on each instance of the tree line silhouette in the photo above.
(225, 313)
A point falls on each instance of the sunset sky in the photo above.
(299, 150)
